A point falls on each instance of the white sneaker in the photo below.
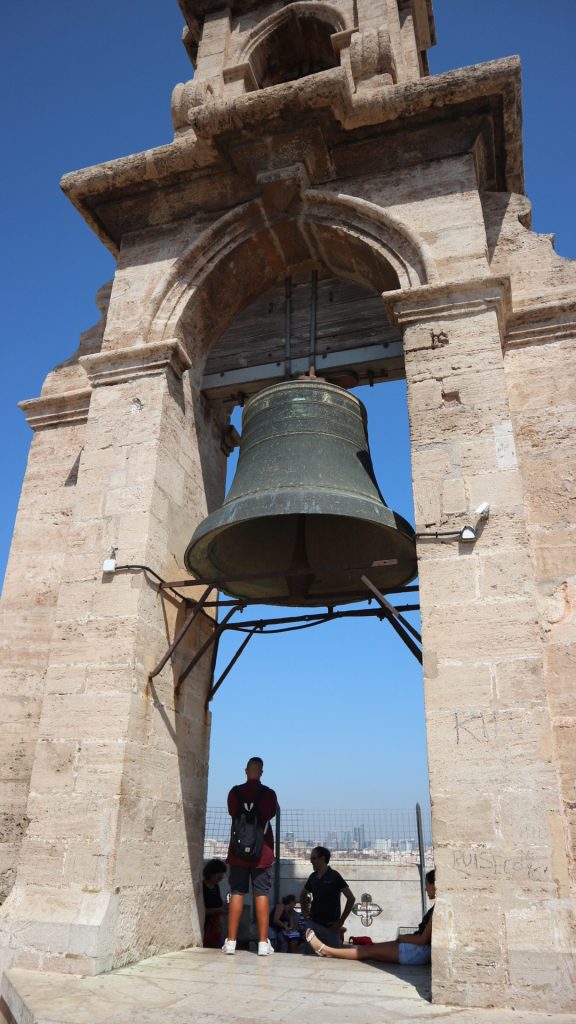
(229, 946)
(265, 948)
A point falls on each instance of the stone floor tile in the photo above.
(203, 987)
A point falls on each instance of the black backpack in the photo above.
(247, 831)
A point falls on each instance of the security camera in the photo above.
(483, 510)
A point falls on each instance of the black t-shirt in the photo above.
(326, 895)
(424, 921)
(212, 896)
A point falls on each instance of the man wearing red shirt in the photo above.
(241, 871)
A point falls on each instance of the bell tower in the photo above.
(246, 47)
(311, 148)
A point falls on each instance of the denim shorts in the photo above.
(409, 953)
(239, 880)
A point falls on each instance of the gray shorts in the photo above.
(326, 935)
(239, 880)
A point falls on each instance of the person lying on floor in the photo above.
(408, 949)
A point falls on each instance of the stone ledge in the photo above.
(542, 324)
(65, 409)
(450, 300)
(97, 192)
(118, 366)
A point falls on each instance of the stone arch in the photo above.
(293, 42)
(251, 248)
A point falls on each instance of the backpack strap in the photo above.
(236, 791)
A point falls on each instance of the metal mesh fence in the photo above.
(390, 835)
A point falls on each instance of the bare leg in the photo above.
(262, 907)
(386, 952)
(234, 914)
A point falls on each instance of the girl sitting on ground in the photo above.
(214, 908)
(283, 925)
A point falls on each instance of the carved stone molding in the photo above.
(438, 302)
(542, 324)
(117, 366)
(63, 410)
(185, 96)
(371, 56)
(341, 40)
(241, 77)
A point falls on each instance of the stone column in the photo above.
(502, 922)
(111, 863)
(29, 600)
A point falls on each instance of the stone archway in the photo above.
(150, 466)
(293, 42)
(253, 247)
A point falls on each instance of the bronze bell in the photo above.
(304, 503)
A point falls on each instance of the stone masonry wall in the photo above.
(541, 379)
(496, 810)
(117, 797)
(540, 367)
(41, 537)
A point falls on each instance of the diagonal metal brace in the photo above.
(206, 646)
(396, 620)
(182, 633)
(216, 686)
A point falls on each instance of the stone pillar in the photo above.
(29, 601)
(111, 863)
(503, 918)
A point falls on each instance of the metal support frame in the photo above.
(182, 633)
(277, 624)
(223, 581)
(396, 620)
(219, 629)
(216, 686)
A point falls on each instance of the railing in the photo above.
(351, 835)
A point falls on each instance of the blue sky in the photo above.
(82, 84)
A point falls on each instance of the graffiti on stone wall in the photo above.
(519, 866)
(485, 726)
(439, 339)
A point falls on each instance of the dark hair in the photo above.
(324, 852)
(255, 762)
(288, 899)
(431, 876)
(213, 867)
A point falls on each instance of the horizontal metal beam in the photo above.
(350, 613)
(325, 570)
(367, 362)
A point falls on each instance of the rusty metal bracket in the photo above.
(262, 626)
(326, 570)
(181, 633)
(216, 686)
(402, 627)
(206, 646)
